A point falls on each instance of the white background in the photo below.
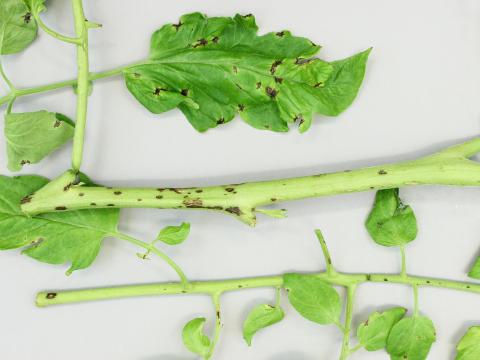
(421, 93)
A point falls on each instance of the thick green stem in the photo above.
(81, 29)
(347, 327)
(48, 298)
(448, 167)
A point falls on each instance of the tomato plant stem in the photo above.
(210, 288)
(451, 166)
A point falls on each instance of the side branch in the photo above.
(242, 200)
(210, 288)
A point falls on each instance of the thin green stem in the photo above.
(81, 30)
(218, 324)
(404, 260)
(153, 249)
(67, 83)
(415, 300)
(326, 253)
(348, 321)
(55, 34)
(6, 79)
(241, 200)
(278, 296)
(220, 286)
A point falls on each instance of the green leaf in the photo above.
(411, 338)
(373, 333)
(260, 317)
(194, 338)
(469, 346)
(32, 136)
(17, 27)
(475, 270)
(174, 235)
(54, 238)
(391, 223)
(313, 298)
(36, 6)
(213, 68)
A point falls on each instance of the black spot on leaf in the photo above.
(51, 296)
(184, 92)
(61, 208)
(280, 34)
(271, 92)
(27, 17)
(278, 80)
(382, 172)
(234, 210)
(177, 26)
(215, 40)
(274, 66)
(241, 107)
(200, 42)
(258, 85)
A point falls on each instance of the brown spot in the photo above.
(51, 296)
(157, 91)
(193, 203)
(93, 204)
(117, 192)
(218, 314)
(215, 40)
(234, 210)
(199, 191)
(382, 172)
(200, 42)
(175, 190)
(110, 204)
(241, 107)
(229, 189)
(213, 207)
(67, 187)
(81, 194)
(160, 189)
(24, 162)
(302, 61)
(278, 80)
(57, 124)
(221, 121)
(280, 34)
(319, 84)
(235, 69)
(271, 92)
(273, 199)
(27, 17)
(177, 26)
(258, 85)
(184, 92)
(60, 208)
(158, 197)
(26, 199)
(274, 66)
(300, 119)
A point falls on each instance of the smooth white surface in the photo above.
(421, 93)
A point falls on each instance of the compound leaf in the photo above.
(391, 223)
(469, 346)
(194, 338)
(54, 238)
(259, 318)
(313, 298)
(32, 136)
(212, 68)
(411, 338)
(17, 27)
(373, 333)
(174, 235)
